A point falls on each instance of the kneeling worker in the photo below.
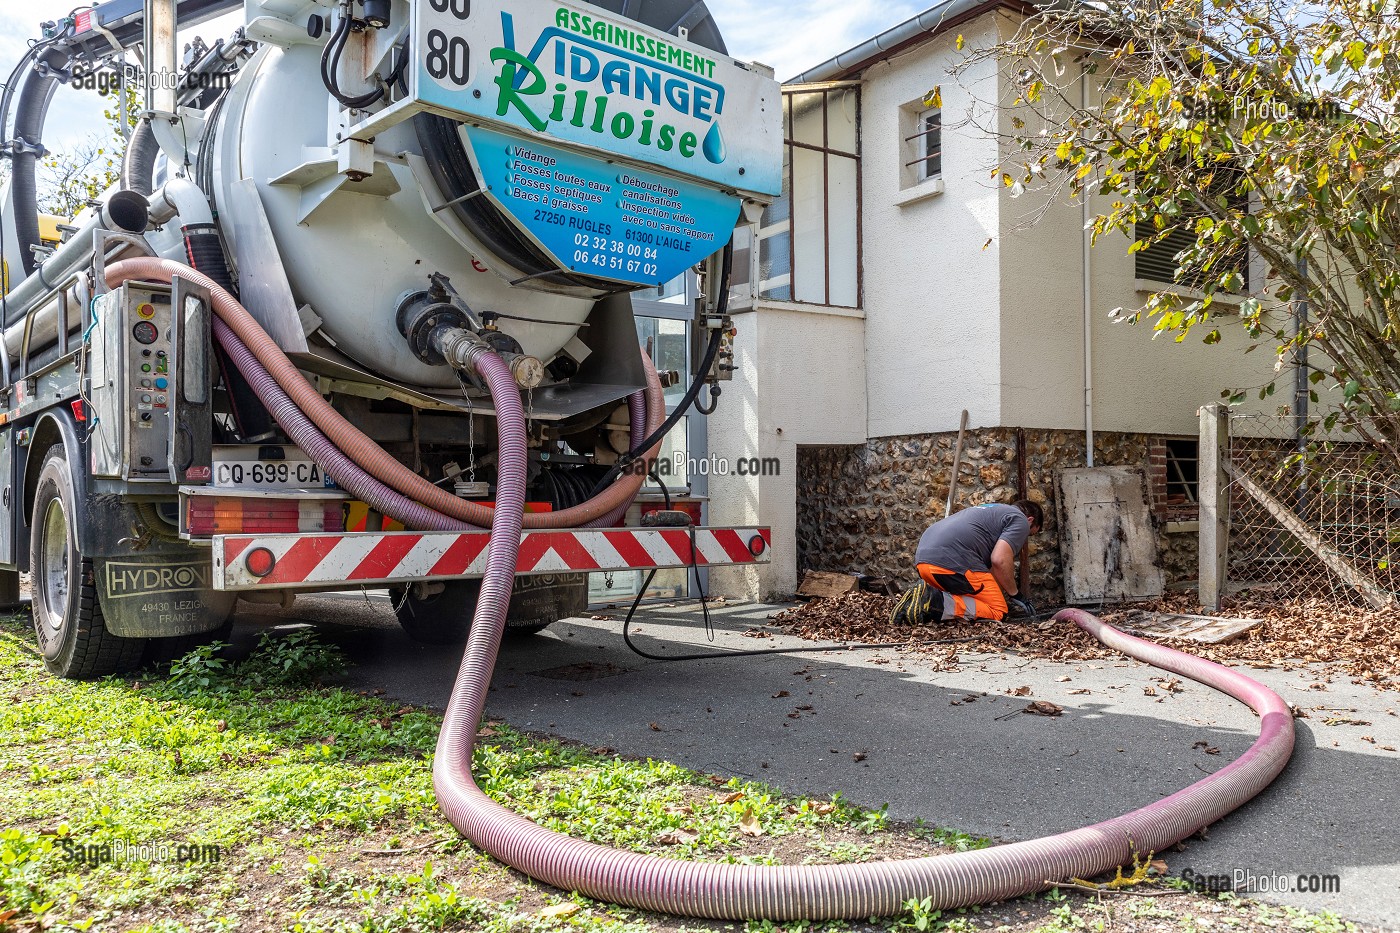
(967, 563)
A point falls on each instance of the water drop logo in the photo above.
(713, 146)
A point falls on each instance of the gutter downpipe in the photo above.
(1086, 295)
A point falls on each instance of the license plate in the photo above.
(269, 474)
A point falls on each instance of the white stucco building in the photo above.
(896, 285)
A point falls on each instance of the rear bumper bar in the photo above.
(341, 561)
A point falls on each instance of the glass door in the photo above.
(664, 318)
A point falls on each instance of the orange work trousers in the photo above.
(987, 603)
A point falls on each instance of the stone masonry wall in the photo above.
(861, 509)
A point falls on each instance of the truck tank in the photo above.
(350, 250)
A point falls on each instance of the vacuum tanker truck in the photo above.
(272, 357)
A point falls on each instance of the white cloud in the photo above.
(788, 35)
(73, 115)
(792, 36)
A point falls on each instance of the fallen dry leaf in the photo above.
(1148, 692)
(1020, 691)
(654, 727)
(1044, 708)
(1311, 627)
(780, 694)
(565, 909)
(822, 808)
(858, 756)
(678, 809)
(677, 837)
(1080, 692)
(749, 825)
(730, 798)
(1063, 679)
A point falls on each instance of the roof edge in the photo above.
(936, 19)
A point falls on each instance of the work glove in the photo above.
(1019, 607)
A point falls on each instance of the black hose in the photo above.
(204, 251)
(139, 160)
(691, 393)
(714, 401)
(33, 107)
(709, 655)
(330, 66)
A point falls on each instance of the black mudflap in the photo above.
(159, 595)
(541, 599)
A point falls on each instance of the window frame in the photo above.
(924, 153)
(787, 225)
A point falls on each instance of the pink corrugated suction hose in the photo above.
(816, 892)
(700, 889)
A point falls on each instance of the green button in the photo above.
(145, 367)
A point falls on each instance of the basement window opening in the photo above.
(1180, 478)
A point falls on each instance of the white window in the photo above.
(925, 146)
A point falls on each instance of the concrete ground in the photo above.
(882, 727)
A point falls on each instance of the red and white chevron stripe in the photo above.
(335, 561)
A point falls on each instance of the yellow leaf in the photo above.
(958, 43)
(565, 909)
(749, 825)
(934, 98)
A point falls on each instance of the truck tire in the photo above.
(443, 618)
(73, 638)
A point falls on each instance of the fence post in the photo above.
(1213, 497)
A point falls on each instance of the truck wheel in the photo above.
(441, 618)
(68, 621)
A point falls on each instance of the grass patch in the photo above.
(266, 801)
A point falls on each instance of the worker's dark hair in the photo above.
(1032, 511)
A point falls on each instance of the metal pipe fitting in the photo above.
(461, 349)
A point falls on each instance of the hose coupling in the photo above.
(462, 350)
(527, 370)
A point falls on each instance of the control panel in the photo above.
(137, 353)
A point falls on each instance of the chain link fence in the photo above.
(1343, 537)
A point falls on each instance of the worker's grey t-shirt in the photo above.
(964, 540)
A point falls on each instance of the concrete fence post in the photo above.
(1214, 499)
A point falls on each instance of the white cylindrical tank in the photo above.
(356, 254)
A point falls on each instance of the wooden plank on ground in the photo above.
(820, 583)
(1209, 630)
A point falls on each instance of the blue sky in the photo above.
(789, 35)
